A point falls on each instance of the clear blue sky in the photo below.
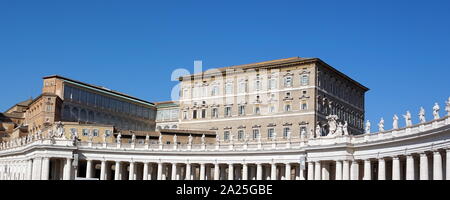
(399, 49)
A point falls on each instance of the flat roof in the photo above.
(273, 63)
(102, 89)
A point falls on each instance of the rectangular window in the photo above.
(304, 106)
(215, 113)
(286, 132)
(287, 108)
(257, 110)
(228, 88)
(203, 113)
(85, 132)
(194, 114)
(108, 133)
(241, 110)
(270, 133)
(228, 111)
(288, 81)
(272, 84)
(226, 135)
(185, 114)
(74, 131)
(258, 85)
(95, 132)
(255, 134)
(305, 80)
(241, 135)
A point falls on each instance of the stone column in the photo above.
(326, 171)
(447, 165)
(423, 166)
(68, 169)
(230, 171)
(318, 171)
(354, 170)
(437, 166)
(310, 171)
(288, 171)
(259, 171)
(30, 170)
(338, 175)
(117, 171)
(345, 170)
(188, 171)
(381, 169)
(273, 172)
(244, 171)
(367, 170)
(409, 167)
(160, 170)
(174, 171)
(216, 171)
(145, 175)
(395, 168)
(202, 171)
(45, 169)
(89, 169)
(103, 170)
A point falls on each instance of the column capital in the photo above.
(436, 153)
(395, 158)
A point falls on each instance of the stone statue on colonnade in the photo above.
(408, 119)
(422, 115)
(436, 109)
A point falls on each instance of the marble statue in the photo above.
(408, 119)
(436, 109)
(340, 129)
(147, 139)
(160, 138)
(104, 138)
(133, 138)
(368, 126)
(311, 133)
(447, 107)
(318, 130)
(303, 133)
(190, 139)
(345, 128)
(175, 141)
(422, 115)
(119, 138)
(59, 130)
(381, 125)
(203, 139)
(395, 124)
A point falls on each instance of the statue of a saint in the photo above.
(59, 130)
(303, 133)
(160, 138)
(368, 127)
(436, 109)
(133, 139)
(422, 118)
(340, 129)
(395, 123)
(318, 131)
(175, 139)
(147, 139)
(381, 125)
(408, 119)
(203, 139)
(447, 107)
(190, 139)
(345, 128)
(119, 138)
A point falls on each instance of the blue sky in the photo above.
(399, 49)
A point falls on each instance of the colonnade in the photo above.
(131, 170)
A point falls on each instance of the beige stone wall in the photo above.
(282, 95)
(43, 112)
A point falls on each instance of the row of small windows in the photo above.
(111, 104)
(82, 115)
(354, 119)
(214, 89)
(287, 133)
(197, 114)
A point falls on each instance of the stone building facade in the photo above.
(274, 99)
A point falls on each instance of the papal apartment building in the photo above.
(268, 100)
